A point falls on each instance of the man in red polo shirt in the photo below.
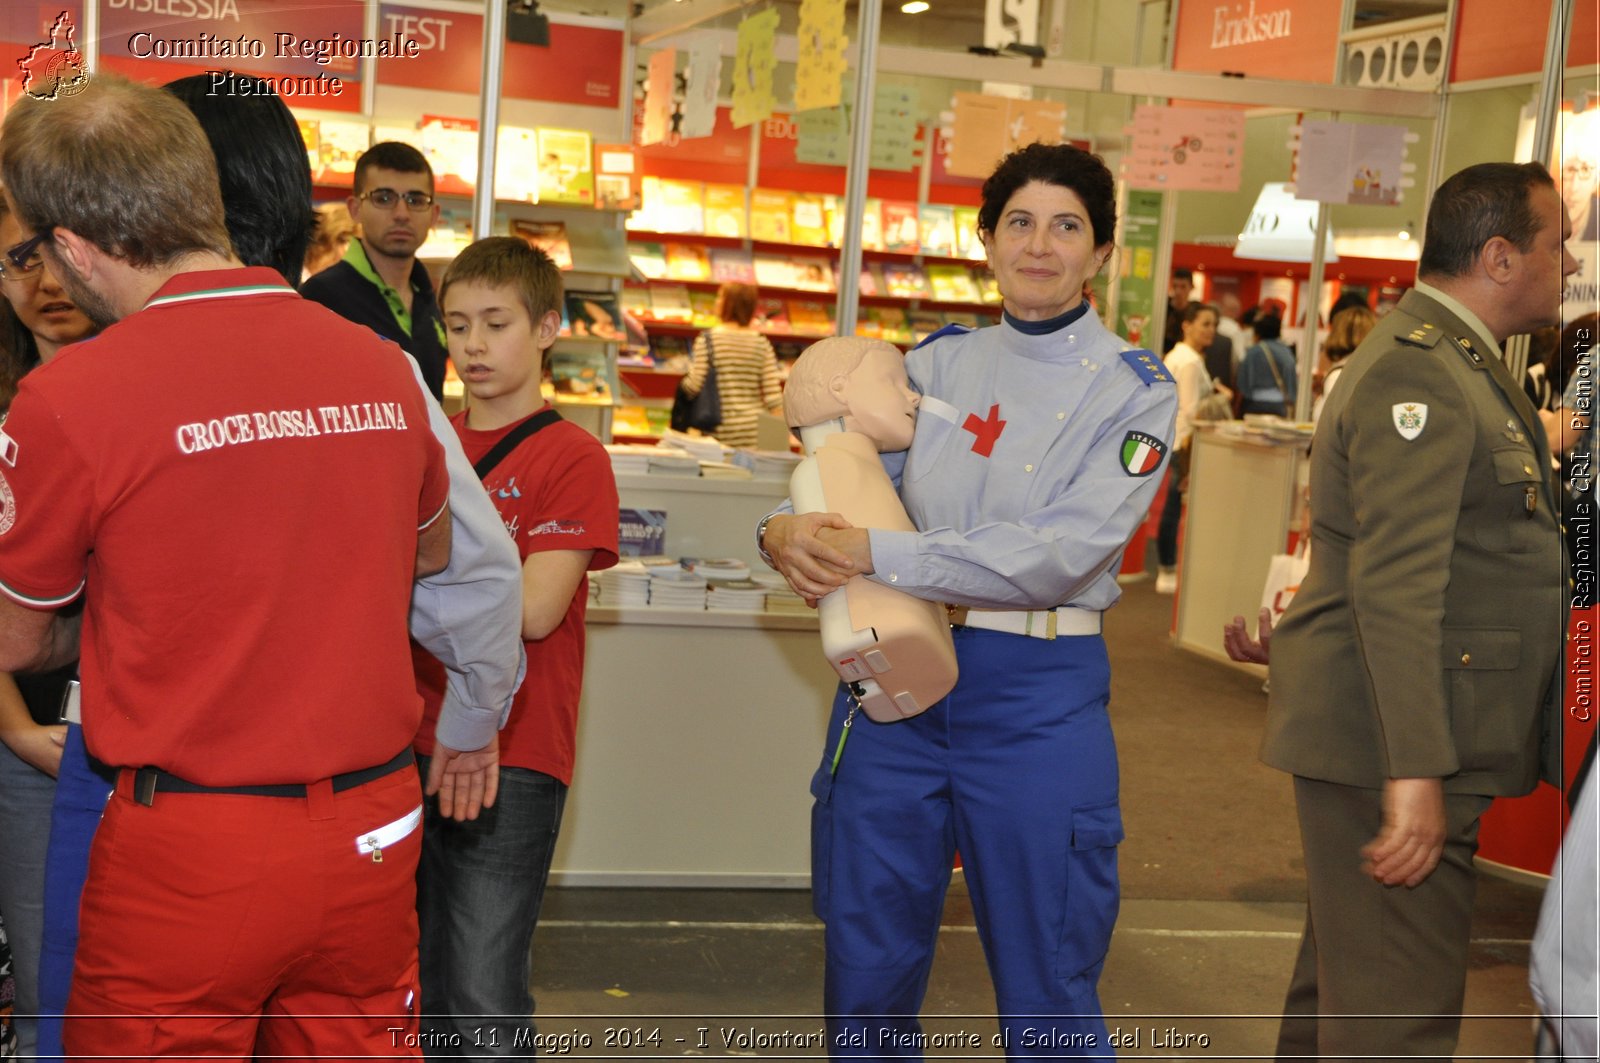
(243, 487)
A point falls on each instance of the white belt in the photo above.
(1037, 623)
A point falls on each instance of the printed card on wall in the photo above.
(705, 77)
(819, 74)
(1342, 162)
(823, 136)
(1185, 148)
(753, 64)
(658, 88)
(641, 532)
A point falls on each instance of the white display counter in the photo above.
(1243, 499)
(698, 732)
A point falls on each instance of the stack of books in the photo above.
(739, 596)
(767, 464)
(677, 588)
(625, 586)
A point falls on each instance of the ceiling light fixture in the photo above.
(914, 7)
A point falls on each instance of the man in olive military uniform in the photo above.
(1416, 675)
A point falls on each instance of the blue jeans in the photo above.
(26, 794)
(479, 888)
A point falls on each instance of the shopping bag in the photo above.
(1284, 574)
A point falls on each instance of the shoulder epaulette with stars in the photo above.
(1148, 366)
(1424, 335)
(1469, 351)
(948, 330)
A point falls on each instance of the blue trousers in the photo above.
(1017, 770)
(480, 885)
(82, 790)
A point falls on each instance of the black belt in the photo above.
(147, 782)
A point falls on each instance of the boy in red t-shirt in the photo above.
(480, 883)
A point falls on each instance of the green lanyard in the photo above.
(844, 732)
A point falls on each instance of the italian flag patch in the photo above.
(1141, 453)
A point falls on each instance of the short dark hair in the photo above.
(1269, 327)
(391, 155)
(1476, 205)
(510, 262)
(737, 302)
(1183, 273)
(1054, 164)
(261, 167)
(122, 164)
(1193, 310)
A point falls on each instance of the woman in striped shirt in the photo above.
(747, 368)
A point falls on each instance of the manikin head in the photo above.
(859, 380)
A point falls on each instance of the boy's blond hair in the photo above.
(509, 262)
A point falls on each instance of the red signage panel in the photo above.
(1297, 40)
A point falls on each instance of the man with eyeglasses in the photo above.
(380, 283)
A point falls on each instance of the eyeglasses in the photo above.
(25, 258)
(386, 198)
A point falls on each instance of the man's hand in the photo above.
(812, 567)
(1412, 840)
(39, 746)
(466, 782)
(1241, 647)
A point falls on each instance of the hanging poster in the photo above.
(704, 79)
(753, 64)
(988, 128)
(658, 88)
(1185, 148)
(1577, 164)
(1010, 22)
(1342, 162)
(1140, 241)
(894, 128)
(819, 74)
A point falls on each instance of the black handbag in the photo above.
(702, 412)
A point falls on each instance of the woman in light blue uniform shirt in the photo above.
(1039, 445)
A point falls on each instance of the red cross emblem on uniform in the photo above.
(987, 430)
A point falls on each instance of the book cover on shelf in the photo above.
(810, 318)
(670, 302)
(339, 145)
(566, 166)
(682, 207)
(905, 280)
(451, 147)
(871, 282)
(636, 301)
(952, 284)
(868, 323)
(812, 274)
(924, 323)
(703, 309)
(616, 176)
(810, 222)
(771, 214)
(965, 224)
(937, 229)
(516, 165)
(670, 352)
(725, 211)
(597, 315)
(894, 325)
(579, 373)
(732, 264)
(872, 224)
(772, 315)
(598, 249)
(687, 262)
(548, 236)
(649, 259)
(641, 532)
(774, 271)
(900, 226)
(988, 288)
(961, 317)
